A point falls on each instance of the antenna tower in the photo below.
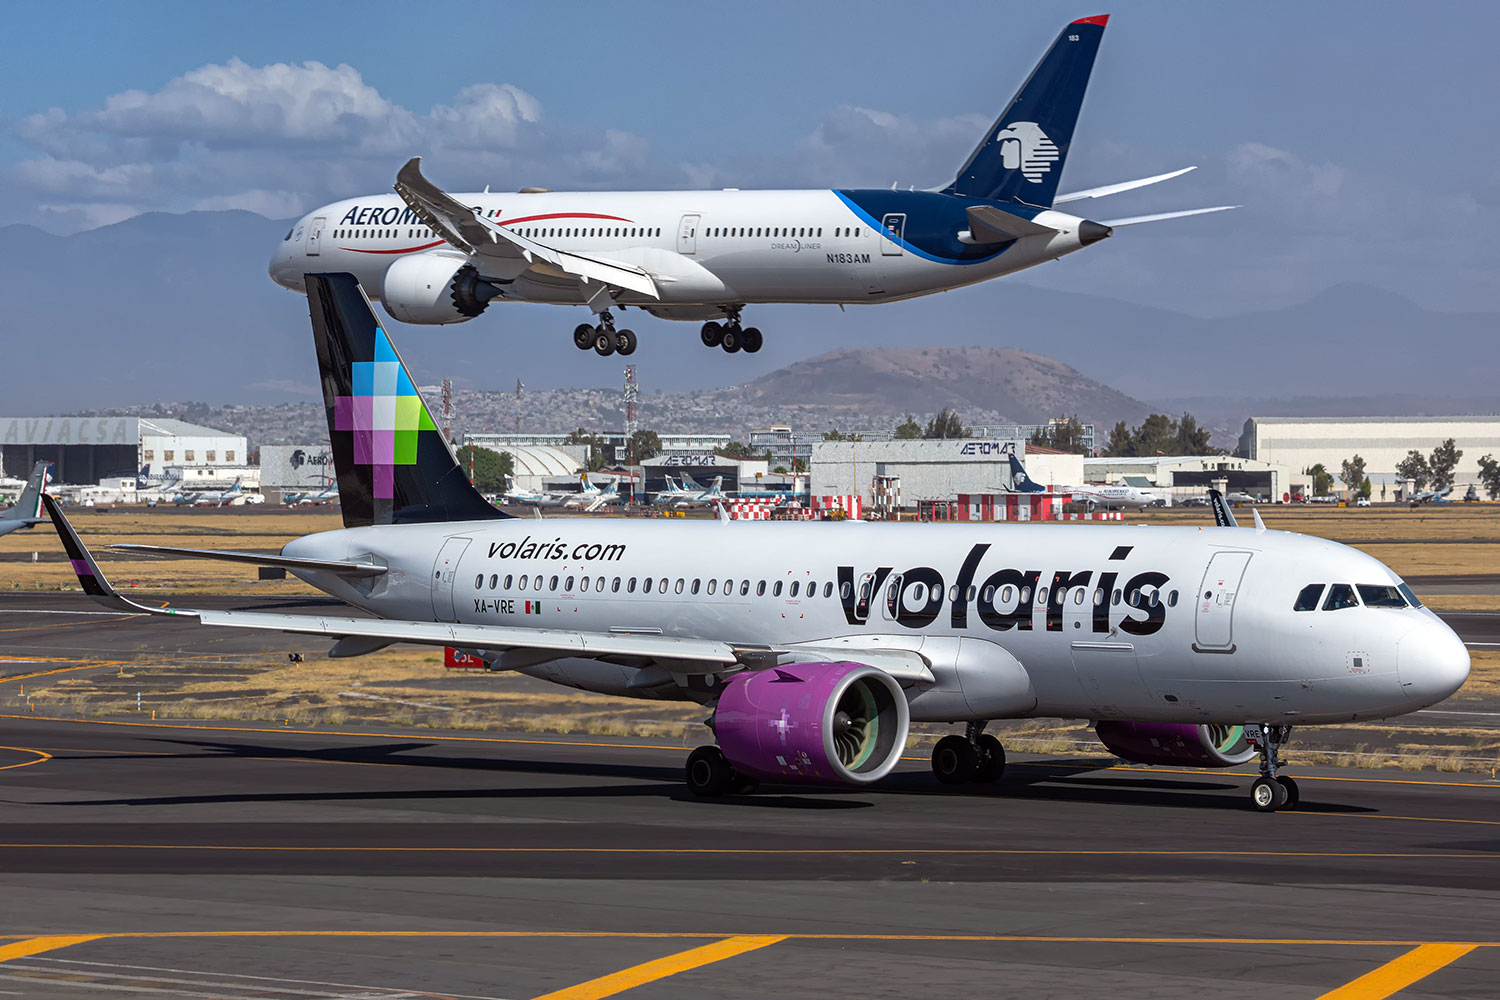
(448, 409)
(519, 387)
(632, 396)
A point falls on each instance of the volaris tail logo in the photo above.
(384, 414)
(1025, 147)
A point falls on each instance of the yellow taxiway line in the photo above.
(1399, 973)
(41, 755)
(661, 968)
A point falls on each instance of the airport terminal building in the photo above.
(85, 450)
(1302, 442)
(933, 470)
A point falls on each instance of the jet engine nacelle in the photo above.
(435, 288)
(1187, 744)
(814, 723)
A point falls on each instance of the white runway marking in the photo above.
(376, 991)
(42, 611)
(1434, 711)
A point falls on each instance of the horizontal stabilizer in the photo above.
(1109, 189)
(340, 567)
(1138, 219)
(988, 224)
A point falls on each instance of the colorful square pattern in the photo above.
(385, 415)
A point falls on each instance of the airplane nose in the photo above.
(1432, 662)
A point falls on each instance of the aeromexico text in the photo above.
(1006, 599)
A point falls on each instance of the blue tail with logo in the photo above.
(1020, 482)
(1021, 158)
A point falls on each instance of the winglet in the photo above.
(90, 577)
(1259, 524)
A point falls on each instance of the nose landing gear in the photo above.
(974, 757)
(1271, 791)
(604, 338)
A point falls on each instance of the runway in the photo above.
(512, 866)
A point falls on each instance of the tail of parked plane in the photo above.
(393, 464)
(28, 507)
(1021, 157)
(1020, 482)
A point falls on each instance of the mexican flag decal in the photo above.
(533, 607)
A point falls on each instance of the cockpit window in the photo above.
(1381, 595)
(1410, 596)
(1340, 595)
(1308, 599)
(288, 234)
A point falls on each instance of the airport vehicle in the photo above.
(815, 644)
(703, 256)
(1362, 502)
(27, 510)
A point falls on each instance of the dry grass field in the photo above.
(408, 686)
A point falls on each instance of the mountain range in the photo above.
(172, 307)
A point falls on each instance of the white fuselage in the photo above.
(1113, 496)
(708, 248)
(1139, 623)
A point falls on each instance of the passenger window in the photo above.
(583, 584)
(1340, 596)
(508, 581)
(1098, 596)
(1307, 600)
(521, 583)
(760, 589)
(599, 584)
(828, 589)
(744, 587)
(1380, 595)
(989, 595)
(536, 583)
(1172, 599)
(713, 586)
(553, 585)
(1025, 594)
(568, 585)
(679, 585)
(494, 581)
(695, 586)
(1078, 597)
(630, 587)
(1134, 598)
(646, 585)
(1115, 600)
(793, 591)
(1041, 595)
(776, 589)
(479, 581)
(661, 586)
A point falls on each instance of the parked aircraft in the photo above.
(27, 509)
(703, 256)
(816, 644)
(1432, 496)
(327, 495)
(694, 495)
(593, 498)
(1095, 495)
(235, 494)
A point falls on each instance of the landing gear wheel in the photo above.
(954, 760)
(1268, 795)
(583, 336)
(991, 759)
(604, 341)
(711, 334)
(708, 772)
(731, 340)
(752, 339)
(1293, 796)
(626, 342)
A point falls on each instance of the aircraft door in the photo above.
(444, 572)
(1213, 624)
(894, 225)
(687, 234)
(315, 236)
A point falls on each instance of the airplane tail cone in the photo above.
(1093, 232)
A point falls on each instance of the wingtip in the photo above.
(1100, 19)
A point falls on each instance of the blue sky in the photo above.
(1359, 136)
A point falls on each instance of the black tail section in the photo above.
(393, 464)
(1021, 157)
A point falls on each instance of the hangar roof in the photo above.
(541, 460)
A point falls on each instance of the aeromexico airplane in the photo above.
(702, 256)
(27, 509)
(816, 643)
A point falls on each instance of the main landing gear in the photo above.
(604, 338)
(1271, 791)
(730, 336)
(709, 775)
(974, 756)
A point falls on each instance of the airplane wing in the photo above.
(1136, 220)
(1109, 189)
(522, 646)
(472, 234)
(343, 568)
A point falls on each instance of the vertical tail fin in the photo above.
(1020, 482)
(28, 506)
(1021, 157)
(392, 462)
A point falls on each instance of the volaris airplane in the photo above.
(703, 256)
(815, 644)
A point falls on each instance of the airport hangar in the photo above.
(1183, 476)
(908, 473)
(1302, 442)
(87, 450)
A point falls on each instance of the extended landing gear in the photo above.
(731, 337)
(1271, 791)
(604, 338)
(974, 757)
(709, 775)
